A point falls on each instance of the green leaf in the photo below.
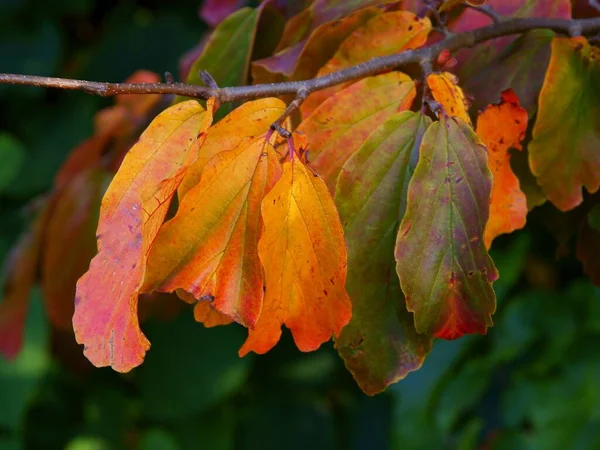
(20, 379)
(226, 55)
(380, 344)
(563, 154)
(158, 439)
(444, 269)
(190, 368)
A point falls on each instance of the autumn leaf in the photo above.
(303, 254)
(563, 153)
(339, 126)
(444, 269)
(311, 38)
(210, 247)
(382, 35)
(214, 11)
(502, 127)
(380, 344)
(445, 90)
(73, 219)
(521, 66)
(203, 311)
(246, 123)
(447, 5)
(132, 211)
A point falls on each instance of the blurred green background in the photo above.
(532, 383)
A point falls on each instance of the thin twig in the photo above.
(293, 106)
(368, 68)
(488, 11)
(594, 4)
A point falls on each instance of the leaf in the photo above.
(210, 247)
(303, 254)
(73, 219)
(339, 126)
(131, 214)
(563, 152)
(445, 90)
(245, 123)
(593, 218)
(502, 127)
(311, 38)
(521, 66)
(382, 35)
(380, 344)
(20, 270)
(226, 55)
(444, 269)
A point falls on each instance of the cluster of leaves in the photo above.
(372, 223)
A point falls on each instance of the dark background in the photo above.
(531, 383)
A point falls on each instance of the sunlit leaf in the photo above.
(380, 344)
(246, 123)
(502, 127)
(445, 90)
(445, 271)
(563, 154)
(382, 35)
(210, 248)
(303, 254)
(131, 214)
(339, 126)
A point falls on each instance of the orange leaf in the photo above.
(132, 211)
(203, 312)
(340, 125)
(502, 127)
(209, 248)
(382, 35)
(445, 90)
(247, 122)
(303, 254)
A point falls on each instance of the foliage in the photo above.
(400, 213)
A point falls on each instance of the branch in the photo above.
(303, 88)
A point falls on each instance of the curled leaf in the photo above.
(132, 211)
(502, 127)
(303, 254)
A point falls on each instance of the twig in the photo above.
(488, 11)
(594, 4)
(368, 68)
(293, 106)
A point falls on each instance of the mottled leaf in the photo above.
(210, 248)
(303, 254)
(339, 126)
(380, 344)
(382, 35)
(131, 214)
(245, 123)
(563, 154)
(73, 219)
(446, 91)
(502, 127)
(444, 268)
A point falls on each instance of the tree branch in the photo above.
(304, 88)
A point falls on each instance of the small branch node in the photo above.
(575, 30)
(169, 79)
